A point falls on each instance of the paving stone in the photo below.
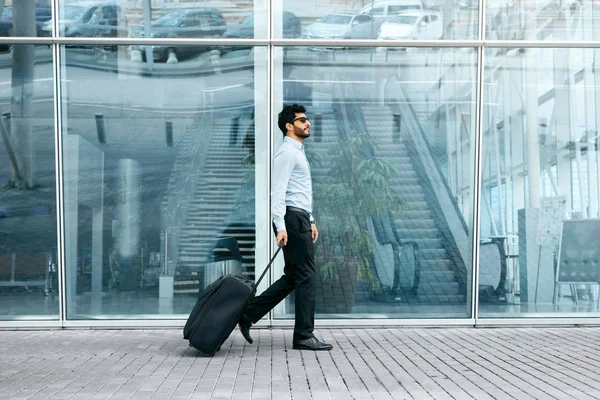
(370, 363)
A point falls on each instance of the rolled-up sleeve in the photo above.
(283, 166)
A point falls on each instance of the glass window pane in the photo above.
(24, 18)
(539, 214)
(542, 20)
(28, 240)
(162, 19)
(159, 178)
(392, 155)
(323, 20)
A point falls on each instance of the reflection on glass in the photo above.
(342, 26)
(89, 19)
(385, 19)
(539, 214)
(161, 19)
(159, 179)
(392, 165)
(28, 241)
(542, 20)
(24, 17)
(412, 26)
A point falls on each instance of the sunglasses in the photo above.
(301, 119)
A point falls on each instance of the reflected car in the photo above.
(184, 23)
(6, 24)
(245, 29)
(343, 26)
(42, 14)
(384, 10)
(90, 19)
(436, 4)
(412, 25)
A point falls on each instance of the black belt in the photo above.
(298, 210)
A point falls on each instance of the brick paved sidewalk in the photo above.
(450, 363)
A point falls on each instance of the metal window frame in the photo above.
(479, 97)
(481, 44)
(516, 44)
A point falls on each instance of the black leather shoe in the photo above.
(245, 325)
(311, 344)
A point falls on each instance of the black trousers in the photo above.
(299, 274)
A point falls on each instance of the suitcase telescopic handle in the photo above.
(270, 262)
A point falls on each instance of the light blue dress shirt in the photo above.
(291, 181)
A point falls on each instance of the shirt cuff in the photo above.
(280, 224)
(312, 220)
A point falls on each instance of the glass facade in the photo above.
(393, 205)
(454, 179)
(157, 170)
(539, 213)
(383, 19)
(28, 207)
(163, 19)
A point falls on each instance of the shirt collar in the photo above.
(294, 143)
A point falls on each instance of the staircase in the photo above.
(442, 277)
(184, 172)
(221, 181)
(211, 207)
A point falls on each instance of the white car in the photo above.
(413, 25)
(342, 26)
(385, 9)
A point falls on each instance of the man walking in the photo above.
(291, 208)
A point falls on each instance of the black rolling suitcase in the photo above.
(219, 309)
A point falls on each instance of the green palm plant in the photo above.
(356, 187)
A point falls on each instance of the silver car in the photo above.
(343, 26)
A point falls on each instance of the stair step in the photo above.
(417, 214)
(446, 288)
(421, 232)
(213, 194)
(427, 243)
(233, 173)
(242, 239)
(221, 163)
(433, 254)
(222, 185)
(437, 265)
(211, 202)
(194, 215)
(203, 244)
(224, 181)
(405, 223)
(206, 207)
(437, 276)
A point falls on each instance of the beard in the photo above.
(302, 132)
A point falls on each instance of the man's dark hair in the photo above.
(287, 115)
